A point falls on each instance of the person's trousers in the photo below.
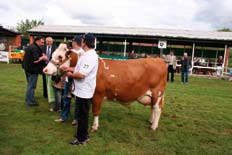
(58, 94)
(184, 75)
(67, 103)
(170, 70)
(31, 86)
(45, 92)
(83, 118)
(219, 70)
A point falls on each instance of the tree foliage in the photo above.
(225, 30)
(23, 26)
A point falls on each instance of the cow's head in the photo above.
(62, 56)
(59, 57)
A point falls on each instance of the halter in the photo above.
(59, 63)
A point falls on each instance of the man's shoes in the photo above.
(74, 122)
(60, 120)
(76, 142)
(51, 109)
(33, 105)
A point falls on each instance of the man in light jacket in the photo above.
(171, 61)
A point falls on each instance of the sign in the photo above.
(4, 56)
(162, 44)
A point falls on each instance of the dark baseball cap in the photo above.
(89, 37)
(77, 38)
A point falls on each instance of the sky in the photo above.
(165, 14)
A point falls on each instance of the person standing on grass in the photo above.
(76, 45)
(171, 60)
(219, 65)
(47, 49)
(33, 64)
(185, 65)
(58, 88)
(84, 76)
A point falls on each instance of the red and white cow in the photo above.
(143, 80)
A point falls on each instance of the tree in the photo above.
(23, 26)
(225, 30)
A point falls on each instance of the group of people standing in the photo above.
(37, 56)
(185, 63)
(172, 62)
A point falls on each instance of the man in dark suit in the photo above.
(47, 49)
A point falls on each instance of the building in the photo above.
(9, 39)
(119, 41)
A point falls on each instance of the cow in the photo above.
(125, 81)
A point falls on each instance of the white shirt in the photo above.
(80, 51)
(171, 60)
(88, 66)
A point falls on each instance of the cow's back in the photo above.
(127, 80)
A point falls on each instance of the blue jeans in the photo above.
(67, 103)
(184, 72)
(58, 104)
(31, 86)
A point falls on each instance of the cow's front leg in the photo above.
(156, 113)
(96, 107)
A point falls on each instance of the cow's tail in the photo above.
(104, 64)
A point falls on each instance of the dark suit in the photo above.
(44, 49)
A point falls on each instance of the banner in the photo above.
(162, 44)
(50, 89)
(4, 57)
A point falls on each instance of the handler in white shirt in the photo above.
(84, 76)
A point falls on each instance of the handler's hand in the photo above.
(69, 74)
(44, 57)
(64, 68)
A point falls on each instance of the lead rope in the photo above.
(73, 84)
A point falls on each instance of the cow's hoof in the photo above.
(153, 128)
(93, 130)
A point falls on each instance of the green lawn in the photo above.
(196, 120)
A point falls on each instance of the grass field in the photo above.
(196, 120)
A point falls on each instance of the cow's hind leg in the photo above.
(152, 114)
(156, 112)
(96, 108)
